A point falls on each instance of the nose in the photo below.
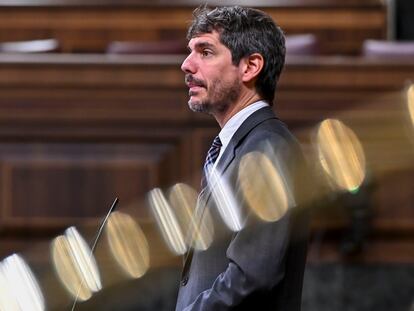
(188, 65)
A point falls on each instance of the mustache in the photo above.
(189, 78)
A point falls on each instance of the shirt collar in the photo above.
(236, 121)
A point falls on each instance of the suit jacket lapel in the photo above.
(249, 124)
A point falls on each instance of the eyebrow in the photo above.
(201, 45)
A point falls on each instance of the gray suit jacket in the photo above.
(260, 267)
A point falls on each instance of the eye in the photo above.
(206, 52)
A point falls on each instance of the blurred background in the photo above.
(93, 106)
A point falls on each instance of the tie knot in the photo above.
(216, 142)
(213, 152)
(211, 158)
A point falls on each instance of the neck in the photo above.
(243, 101)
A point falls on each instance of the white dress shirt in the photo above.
(234, 123)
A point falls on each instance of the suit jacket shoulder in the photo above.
(261, 266)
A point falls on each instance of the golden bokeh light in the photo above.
(19, 289)
(225, 201)
(128, 244)
(341, 154)
(167, 221)
(67, 270)
(75, 264)
(264, 186)
(410, 102)
(198, 231)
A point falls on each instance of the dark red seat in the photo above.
(302, 44)
(382, 48)
(140, 47)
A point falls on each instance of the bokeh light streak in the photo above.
(7, 300)
(341, 154)
(21, 284)
(167, 221)
(225, 201)
(199, 231)
(264, 186)
(66, 269)
(410, 102)
(128, 244)
(75, 264)
(84, 259)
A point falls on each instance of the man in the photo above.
(235, 59)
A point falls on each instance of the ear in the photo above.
(252, 66)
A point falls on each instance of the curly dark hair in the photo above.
(245, 31)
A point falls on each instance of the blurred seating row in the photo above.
(89, 26)
(30, 46)
(301, 44)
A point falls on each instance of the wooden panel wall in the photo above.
(78, 130)
(89, 27)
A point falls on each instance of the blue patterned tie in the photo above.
(212, 156)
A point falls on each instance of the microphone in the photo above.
(95, 241)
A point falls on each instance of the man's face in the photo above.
(214, 82)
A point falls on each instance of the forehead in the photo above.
(206, 39)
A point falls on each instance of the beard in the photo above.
(220, 96)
